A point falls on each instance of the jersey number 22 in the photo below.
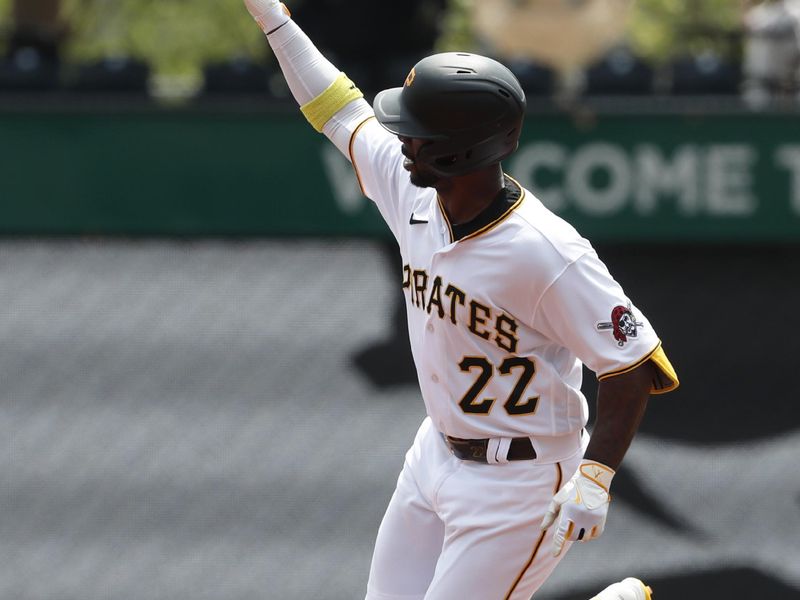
(514, 405)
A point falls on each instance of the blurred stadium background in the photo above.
(206, 388)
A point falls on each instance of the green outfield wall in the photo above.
(218, 171)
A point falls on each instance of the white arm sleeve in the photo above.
(374, 152)
(309, 73)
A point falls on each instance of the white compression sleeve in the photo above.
(309, 73)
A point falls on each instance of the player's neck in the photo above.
(466, 196)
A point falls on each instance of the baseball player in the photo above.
(505, 302)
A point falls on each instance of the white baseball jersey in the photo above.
(502, 311)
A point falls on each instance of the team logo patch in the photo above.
(410, 78)
(623, 324)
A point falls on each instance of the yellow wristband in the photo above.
(338, 94)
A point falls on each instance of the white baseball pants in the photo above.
(462, 530)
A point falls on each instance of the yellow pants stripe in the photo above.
(538, 545)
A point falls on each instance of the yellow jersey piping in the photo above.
(350, 151)
(444, 216)
(630, 368)
(488, 226)
(641, 361)
(499, 219)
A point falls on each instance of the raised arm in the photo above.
(329, 100)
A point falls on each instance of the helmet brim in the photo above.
(392, 115)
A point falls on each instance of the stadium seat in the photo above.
(123, 74)
(236, 76)
(536, 79)
(27, 69)
(619, 72)
(705, 73)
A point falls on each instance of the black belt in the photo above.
(520, 449)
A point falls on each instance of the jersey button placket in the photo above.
(429, 344)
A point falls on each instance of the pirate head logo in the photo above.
(623, 324)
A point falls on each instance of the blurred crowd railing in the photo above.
(642, 150)
(761, 70)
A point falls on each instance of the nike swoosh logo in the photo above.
(415, 221)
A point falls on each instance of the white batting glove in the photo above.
(581, 505)
(269, 14)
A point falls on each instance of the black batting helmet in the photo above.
(469, 107)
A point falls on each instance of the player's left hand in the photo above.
(581, 505)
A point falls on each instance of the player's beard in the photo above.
(423, 179)
(418, 173)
